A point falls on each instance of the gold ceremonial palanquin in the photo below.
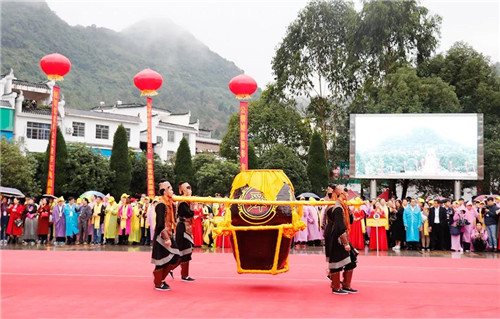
(261, 216)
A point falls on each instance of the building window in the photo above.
(170, 136)
(170, 155)
(78, 129)
(38, 131)
(102, 132)
(128, 134)
(186, 136)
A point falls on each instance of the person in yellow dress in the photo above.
(424, 232)
(145, 234)
(97, 220)
(135, 223)
(111, 222)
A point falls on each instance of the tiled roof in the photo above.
(27, 83)
(127, 106)
(185, 127)
(37, 111)
(106, 115)
(5, 103)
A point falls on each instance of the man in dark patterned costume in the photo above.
(337, 247)
(165, 252)
(184, 232)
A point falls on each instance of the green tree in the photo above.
(282, 157)
(183, 167)
(61, 172)
(477, 85)
(89, 171)
(391, 34)
(265, 128)
(253, 160)
(215, 177)
(120, 163)
(405, 92)
(316, 60)
(139, 172)
(202, 159)
(317, 169)
(18, 171)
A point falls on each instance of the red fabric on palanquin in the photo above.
(55, 65)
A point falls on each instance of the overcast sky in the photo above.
(248, 31)
(461, 129)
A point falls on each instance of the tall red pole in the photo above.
(243, 135)
(53, 139)
(149, 151)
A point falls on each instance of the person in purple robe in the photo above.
(314, 235)
(59, 220)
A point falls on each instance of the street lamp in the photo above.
(148, 81)
(243, 86)
(56, 66)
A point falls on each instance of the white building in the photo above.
(96, 127)
(168, 128)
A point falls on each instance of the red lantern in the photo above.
(243, 86)
(148, 81)
(55, 65)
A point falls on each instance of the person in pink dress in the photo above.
(470, 215)
(456, 230)
(313, 228)
(378, 231)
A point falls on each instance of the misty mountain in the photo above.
(104, 62)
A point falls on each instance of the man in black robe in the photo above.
(337, 247)
(165, 252)
(184, 232)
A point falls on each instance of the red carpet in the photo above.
(88, 284)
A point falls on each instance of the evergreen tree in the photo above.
(183, 167)
(317, 171)
(282, 157)
(120, 163)
(17, 170)
(61, 165)
(253, 160)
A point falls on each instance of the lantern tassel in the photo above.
(55, 77)
(149, 93)
(242, 96)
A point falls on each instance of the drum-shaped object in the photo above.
(261, 234)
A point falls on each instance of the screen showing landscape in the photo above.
(417, 146)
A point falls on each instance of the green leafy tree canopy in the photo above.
(120, 163)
